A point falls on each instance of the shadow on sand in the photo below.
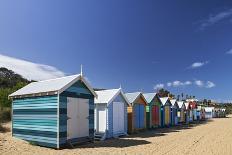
(117, 143)
(128, 141)
(163, 131)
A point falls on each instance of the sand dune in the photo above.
(210, 137)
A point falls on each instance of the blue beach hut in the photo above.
(174, 112)
(54, 112)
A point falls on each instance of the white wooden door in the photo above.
(118, 117)
(83, 106)
(78, 121)
(72, 122)
(101, 118)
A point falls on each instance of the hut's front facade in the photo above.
(136, 111)
(54, 112)
(193, 108)
(153, 110)
(187, 112)
(209, 112)
(165, 111)
(174, 112)
(181, 111)
(110, 114)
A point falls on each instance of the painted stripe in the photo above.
(34, 99)
(36, 138)
(35, 133)
(37, 107)
(34, 116)
(37, 128)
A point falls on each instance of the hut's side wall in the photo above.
(110, 133)
(77, 90)
(35, 119)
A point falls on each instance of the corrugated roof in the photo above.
(52, 85)
(131, 97)
(106, 96)
(149, 96)
(163, 100)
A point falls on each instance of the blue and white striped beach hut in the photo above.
(54, 112)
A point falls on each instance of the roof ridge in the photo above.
(57, 78)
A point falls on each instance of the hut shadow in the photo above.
(163, 131)
(117, 143)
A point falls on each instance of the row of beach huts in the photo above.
(66, 111)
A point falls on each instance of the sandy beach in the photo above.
(209, 137)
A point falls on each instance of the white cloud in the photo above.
(198, 64)
(199, 83)
(30, 70)
(178, 83)
(213, 19)
(169, 84)
(159, 86)
(229, 52)
(188, 83)
(210, 84)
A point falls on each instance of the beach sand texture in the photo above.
(209, 137)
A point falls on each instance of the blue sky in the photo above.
(182, 46)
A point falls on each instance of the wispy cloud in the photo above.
(198, 64)
(30, 70)
(178, 83)
(229, 52)
(213, 19)
(210, 84)
(159, 86)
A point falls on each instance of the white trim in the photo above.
(58, 121)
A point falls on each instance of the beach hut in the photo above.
(54, 113)
(199, 111)
(209, 112)
(187, 112)
(181, 111)
(136, 111)
(153, 110)
(165, 111)
(174, 111)
(110, 114)
(193, 110)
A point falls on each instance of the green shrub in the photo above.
(5, 115)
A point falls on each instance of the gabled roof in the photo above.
(56, 86)
(149, 96)
(107, 96)
(180, 104)
(132, 97)
(186, 105)
(174, 102)
(163, 100)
